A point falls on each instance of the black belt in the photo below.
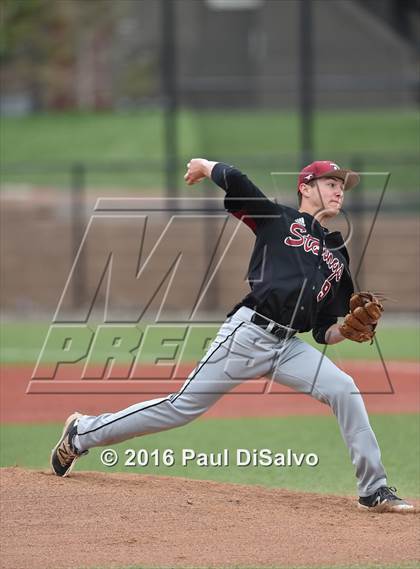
(278, 330)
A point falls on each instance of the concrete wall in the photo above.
(36, 259)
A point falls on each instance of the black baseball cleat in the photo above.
(64, 454)
(384, 500)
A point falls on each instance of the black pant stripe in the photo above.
(166, 398)
(201, 366)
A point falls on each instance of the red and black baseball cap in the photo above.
(327, 169)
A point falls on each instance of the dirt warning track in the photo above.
(394, 390)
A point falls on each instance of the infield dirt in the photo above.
(92, 519)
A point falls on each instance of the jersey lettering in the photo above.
(296, 229)
(310, 244)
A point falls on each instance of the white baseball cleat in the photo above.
(384, 500)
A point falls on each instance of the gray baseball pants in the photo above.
(243, 351)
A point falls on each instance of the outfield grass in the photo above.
(21, 344)
(398, 435)
(257, 141)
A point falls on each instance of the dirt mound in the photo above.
(113, 520)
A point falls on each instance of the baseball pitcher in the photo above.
(299, 281)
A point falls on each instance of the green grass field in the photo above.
(399, 436)
(21, 344)
(256, 141)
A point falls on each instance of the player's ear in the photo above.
(305, 190)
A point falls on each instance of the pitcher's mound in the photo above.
(117, 520)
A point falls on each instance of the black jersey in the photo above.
(299, 271)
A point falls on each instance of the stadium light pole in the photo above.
(170, 99)
(306, 80)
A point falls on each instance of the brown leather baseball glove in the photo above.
(360, 323)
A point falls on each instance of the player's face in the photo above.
(327, 195)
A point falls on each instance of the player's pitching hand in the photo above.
(197, 170)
